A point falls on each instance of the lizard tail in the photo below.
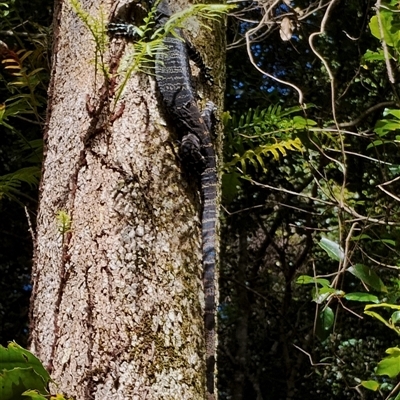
(209, 219)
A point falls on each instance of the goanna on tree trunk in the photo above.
(118, 305)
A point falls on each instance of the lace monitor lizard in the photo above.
(174, 80)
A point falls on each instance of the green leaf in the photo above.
(301, 123)
(29, 175)
(395, 317)
(389, 24)
(325, 323)
(16, 356)
(374, 56)
(368, 276)
(320, 295)
(394, 112)
(390, 366)
(376, 143)
(386, 241)
(230, 186)
(364, 297)
(383, 305)
(371, 385)
(33, 395)
(385, 126)
(20, 371)
(393, 351)
(361, 237)
(16, 381)
(333, 249)
(306, 279)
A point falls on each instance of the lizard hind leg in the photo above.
(190, 152)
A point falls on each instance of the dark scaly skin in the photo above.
(174, 79)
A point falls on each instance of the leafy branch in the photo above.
(266, 131)
(255, 157)
(25, 82)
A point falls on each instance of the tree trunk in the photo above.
(117, 303)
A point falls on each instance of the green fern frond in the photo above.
(212, 12)
(25, 100)
(263, 120)
(33, 150)
(97, 26)
(29, 175)
(256, 156)
(98, 30)
(11, 183)
(258, 133)
(138, 61)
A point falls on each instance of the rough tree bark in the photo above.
(117, 304)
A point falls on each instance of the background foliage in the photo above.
(310, 193)
(24, 57)
(310, 236)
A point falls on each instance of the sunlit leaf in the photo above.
(387, 25)
(300, 122)
(333, 249)
(33, 395)
(385, 126)
(371, 385)
(20, 371)
(383, 305)
(390, 365)
(394, 112)
(306, 279)
(395, 317)
(322, 294)
(374, 56)
(363, 297)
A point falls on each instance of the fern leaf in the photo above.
(29, 175)
(256, 156)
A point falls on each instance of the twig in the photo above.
(386, 191)
(395, 389)
(248, 35)
(352, 212)
(309, 357)
(28, 217)
(367, 112)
